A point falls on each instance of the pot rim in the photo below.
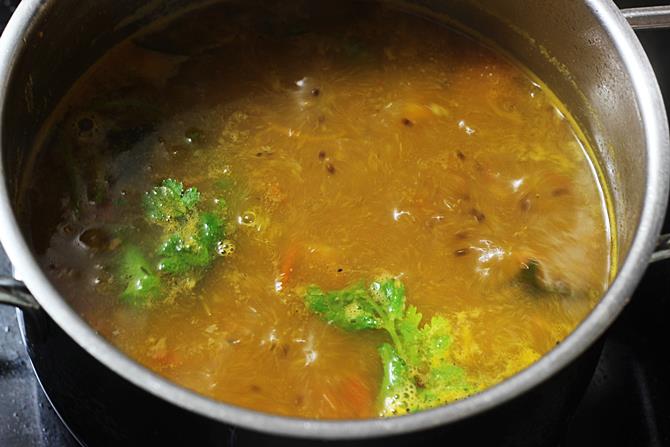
(654, 120)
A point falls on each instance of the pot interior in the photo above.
(565, 45)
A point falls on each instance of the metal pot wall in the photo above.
(584, 50)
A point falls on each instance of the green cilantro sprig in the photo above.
(418, 372)
(188, 243)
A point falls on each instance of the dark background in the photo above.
(627, 404)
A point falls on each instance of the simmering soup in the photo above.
(319, 210)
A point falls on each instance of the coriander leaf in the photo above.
(418, 370)
(398, 392)
(190, 198)
(178, 256)
(192, 244)
(169, 201)
(143, 284)
(389, 293)
(350, 309)
(358, 307)
(409, 335)
(444, 383)
(191, 247)
(210, 230)
(435, 380)
(189, 239)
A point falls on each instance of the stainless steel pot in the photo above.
(584, 50)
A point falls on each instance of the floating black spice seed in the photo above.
(316, 92)
(407, 122)
(330, 168)
(340, 270)
(478, 215)
(322, 155)
(558, 192)
(460, 155)
(264, 151)
(461, 252)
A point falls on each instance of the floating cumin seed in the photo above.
(316, 92)
(478, 215)
(407, 122)
(524, 204)
(460, 155)
(322, 155)
(264, 151)
(330, 168)
(461, 252)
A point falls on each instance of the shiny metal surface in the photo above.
(663, 249)
(654, 17)
(584, 50)
(14, 293)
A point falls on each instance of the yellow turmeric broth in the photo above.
(339, 144)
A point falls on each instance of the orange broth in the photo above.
(348, 141)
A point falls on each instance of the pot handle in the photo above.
(14, 293)
(652, 17)
(662, 248)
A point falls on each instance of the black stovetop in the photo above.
(627, 403)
